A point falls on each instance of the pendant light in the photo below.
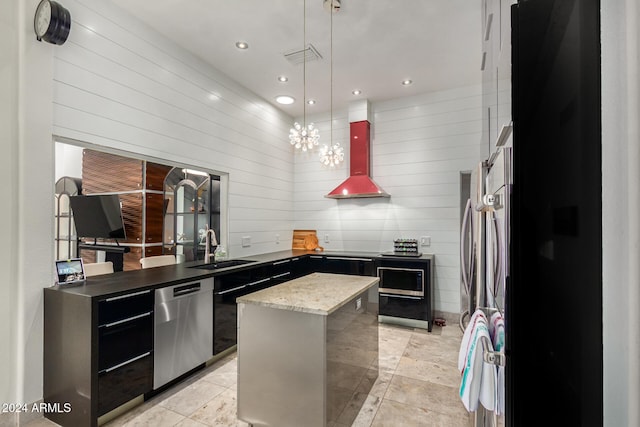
(302, 136)
(333, 154)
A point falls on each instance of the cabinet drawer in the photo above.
(288, 269)
(281, 277)
(348, 265)
(124, 383)
(124, 306)
(407, 307)
(125, 340)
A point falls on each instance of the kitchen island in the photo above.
(307, 351)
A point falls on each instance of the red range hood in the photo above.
(359, 183)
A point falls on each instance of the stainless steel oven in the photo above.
(401, 281)
(405, 290)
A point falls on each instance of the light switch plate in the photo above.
(425, 241)
(246, 241)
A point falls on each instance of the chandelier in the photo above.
(333, 154)
(304, 136)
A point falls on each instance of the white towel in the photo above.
(467, 338)
(497, 338)
(480, 381)
(470, 360)
(471, 382)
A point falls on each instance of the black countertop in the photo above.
(138, 280)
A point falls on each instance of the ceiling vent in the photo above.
(297, 57)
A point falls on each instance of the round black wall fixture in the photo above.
(52, 22)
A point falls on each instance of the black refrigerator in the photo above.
(553, 339)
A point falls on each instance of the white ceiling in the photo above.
(376, 45)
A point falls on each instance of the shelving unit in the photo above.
(191, 202)
(139, 184)
(153, 216)
(66, 241)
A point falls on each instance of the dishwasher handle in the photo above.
(191, 288)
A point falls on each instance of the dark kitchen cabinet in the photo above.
(288, 269)
(315, 264)
(227, 288)
(98, 353)
(230, 286)
(125, 349)
(361, 266)
(349, 265)
(298, 267)
(225, 315)
(98, 337)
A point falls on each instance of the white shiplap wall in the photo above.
(419, 146)
(120, 85)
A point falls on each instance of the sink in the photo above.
(223, 264)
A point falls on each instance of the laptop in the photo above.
(70, 271)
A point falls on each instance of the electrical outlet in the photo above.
(246, 241)
(277, 238)
(425, 241)
(326, 238)
(358, 304)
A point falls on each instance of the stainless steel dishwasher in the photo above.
(183, 334)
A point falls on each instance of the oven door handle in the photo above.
(401, 296)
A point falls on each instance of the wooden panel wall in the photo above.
(154, 217)
(154, 205)
(155, 176)
(106, 173)
(132, 216)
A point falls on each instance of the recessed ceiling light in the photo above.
(356, 92)
(283, 79)
(242, 45)
(285, 99)
(406, 82)
(311, 101)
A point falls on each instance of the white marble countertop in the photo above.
(317, 293)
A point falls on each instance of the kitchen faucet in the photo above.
(208, 233)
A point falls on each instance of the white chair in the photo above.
(157, 261)
(97, 268)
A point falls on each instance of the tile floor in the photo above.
(417, 386)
